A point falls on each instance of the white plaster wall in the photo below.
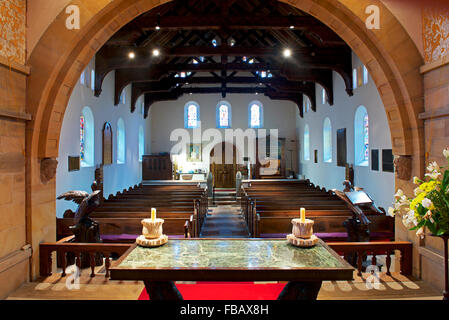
(116, 176)
(164, 117)
(380, 185)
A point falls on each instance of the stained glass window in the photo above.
(255, 114)
(82, 139)
(223, 115)
(366, 136)
(191, 115)
(361, 137)
(87, 138)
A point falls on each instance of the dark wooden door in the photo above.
(224, 173)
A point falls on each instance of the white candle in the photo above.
(153, 214)
(303, 215)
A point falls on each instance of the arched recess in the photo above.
(61, 55)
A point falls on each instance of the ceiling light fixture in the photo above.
(131, 55)
(287, 53)
(156, 53)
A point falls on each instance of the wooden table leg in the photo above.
(300, 291)
(162, 290)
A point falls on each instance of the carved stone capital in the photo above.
(403, 167)
(48, 169)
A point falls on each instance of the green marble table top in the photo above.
(232, 254)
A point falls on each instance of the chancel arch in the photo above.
(50, 85)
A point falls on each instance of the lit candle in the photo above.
(303, 215)
(153, 214)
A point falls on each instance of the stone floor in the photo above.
(224, 222)
(394, 287)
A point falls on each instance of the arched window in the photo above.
(123, 97)
(365, 75)
(361, 137)
(121, 141)
(92, 80)
(306, 104)
(323, 96)
(83, 77)
(327, 140)
(87, 77)
(224, 115)
(306, 143)
(191, 115)
(87, 138)
(354, 78)
(255, 114)
(141, 143)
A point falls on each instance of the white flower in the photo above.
(446, 153)
(420, 233)
(434, 175)
(426, 203)
(409, 219)
(416, 180)
(418, 191)
(391, 212)
(433, 166)
(428, 216)
(399, 193)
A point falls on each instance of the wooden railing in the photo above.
(375, 249)
(63, 247)
(343, 248)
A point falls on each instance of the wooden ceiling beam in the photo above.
(215, 22)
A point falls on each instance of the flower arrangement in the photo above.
(430, 206)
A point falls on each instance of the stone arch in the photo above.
(61, 55)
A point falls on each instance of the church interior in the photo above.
(224, 150)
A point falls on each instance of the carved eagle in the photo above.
(86, 202)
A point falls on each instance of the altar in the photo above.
(232, 260)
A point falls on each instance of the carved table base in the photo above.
(300, 291)
(166, 290)
(162, 290)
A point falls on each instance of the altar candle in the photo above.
(153, 214)
(303, 215)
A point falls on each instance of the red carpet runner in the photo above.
(226, 291)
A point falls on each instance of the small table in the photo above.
(232, 260)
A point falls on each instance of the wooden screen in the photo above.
(157, 167)
(341, 147)
(107, 144)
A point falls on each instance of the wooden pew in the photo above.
(122, 214)
(269, 207)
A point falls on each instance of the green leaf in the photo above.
(445, 180)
